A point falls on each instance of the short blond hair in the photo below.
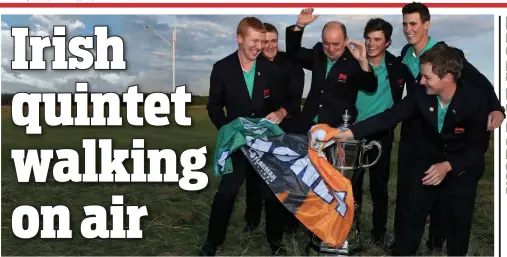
(250, 22)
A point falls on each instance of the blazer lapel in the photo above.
(332, 76)
(258, 93)
(395, 85)
(320, 72)
(453, 111)
(430, 110)
(237, 73)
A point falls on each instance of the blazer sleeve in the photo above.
(216, 99)
(476, 138)
(294, 49)
(476, 78)
(385, 120)
(295, 79)
(366, 81)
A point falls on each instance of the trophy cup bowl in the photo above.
(353, 156)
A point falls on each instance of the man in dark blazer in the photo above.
(289, 94)
(243, 83)
(293, 78)
(416, 22)
(449, 159)
(339, 69)
(392, 75)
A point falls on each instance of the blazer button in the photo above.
(322, 91)
(416, 81)
(252, 114)
(320, 106)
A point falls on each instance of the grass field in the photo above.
(177, 221)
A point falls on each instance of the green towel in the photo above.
(232, 137)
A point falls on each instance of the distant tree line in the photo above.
(196, 99)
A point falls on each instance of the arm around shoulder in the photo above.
(476, 78)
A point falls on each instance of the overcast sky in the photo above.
(203, 40)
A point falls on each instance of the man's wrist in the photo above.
(301, 27)
(365, 66)
(283, 112)
(448, 166)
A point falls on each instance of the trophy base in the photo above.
(322, 248)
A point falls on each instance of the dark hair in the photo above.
(378, 24)
(419, 8)
(270, 28)
(443, 59)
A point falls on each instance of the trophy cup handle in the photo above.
(369, 146)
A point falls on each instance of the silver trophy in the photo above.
(350, 163)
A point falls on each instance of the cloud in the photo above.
(204, 39)
(54, 80)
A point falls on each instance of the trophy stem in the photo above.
(351, 246)
(353, 243)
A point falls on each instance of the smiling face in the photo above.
(251, 43)
(429, 80)
(414, 29)
(440, 69)
(270, 45)
(376, 43)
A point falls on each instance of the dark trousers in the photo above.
(379, 177)
(253, 202)
(436, 233)
(224, 200)
(456, 215)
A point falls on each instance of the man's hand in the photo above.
(495, 120)
(305, 17)
(344, 135)
(436, 173)
(358, 50)
(276, 116)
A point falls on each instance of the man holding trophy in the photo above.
(340, 69)
(449, 161)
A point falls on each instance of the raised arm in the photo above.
(293, 37)
(365, 79)
(295, 51)
(295, 84)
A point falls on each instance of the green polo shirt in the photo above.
(412, 61)
(369, 104)
(328, 68)
(442, 111)
(249, 79)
